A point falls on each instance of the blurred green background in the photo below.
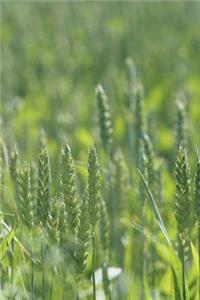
(54, 54)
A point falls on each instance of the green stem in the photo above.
(183, 269)
(93, 267)
(106, 282)
(153, 279)
(114, 241)
(32, 276)
(142, 261)
(77, 296)
(199, 257)
(43, 271)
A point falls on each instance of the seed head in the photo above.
(104, 228)
(68, 182)
(43, 193)
(25, 200)
(83, 235)
(105, 124)
(197, 193)
(14, 165)
(183, 197)
(181, 121)
(93, 187)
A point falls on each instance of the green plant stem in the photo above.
(153, 258)
(199, 257)
(32, 276)
(112, 210)
(183, 270)
(43, 271)
(106, 281)
(93, 267)
(142, 260)
(78, 284)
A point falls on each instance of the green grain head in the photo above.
(2, 176)
(150, 160)
(104, 229)
(197, 193)
(139, 120)
(93, 187)
(131, 74)
(83, 235)
(43, 191)
(14, 165)
(53, 220)
(68, 182)
(33, 187)
(25, 200)
(181, 121)
(183, 197)
(143, 163)
(105, 124)
(131, 81)
(62, 223)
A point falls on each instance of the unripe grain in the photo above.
(105, 123)
(43, 193)
(93, 187)
(183, 197)
(197, 193)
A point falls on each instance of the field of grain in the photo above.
(99, 150)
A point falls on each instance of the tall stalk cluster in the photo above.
(67, 218)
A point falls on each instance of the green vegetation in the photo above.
(99, 150)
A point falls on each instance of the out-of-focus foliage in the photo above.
(54, 55)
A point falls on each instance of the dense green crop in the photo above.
(99, 158)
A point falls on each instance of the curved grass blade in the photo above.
(155, 209)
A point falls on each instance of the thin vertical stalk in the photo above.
(142, 261)
(32, 276)
(43, 271)
(199, 257)
(78, 285)
(112, 206)
(93, 267)
(153, 279)
(183, 270)
(106, 281)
